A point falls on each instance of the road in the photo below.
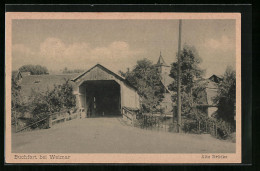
(111, 135)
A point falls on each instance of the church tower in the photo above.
(164, 69)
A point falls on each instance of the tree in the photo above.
(226, 97)
(68, 71)
(15, 98)
(146, 78)
(190, 72)
(60, 97)
(68, 98)
(34, 69)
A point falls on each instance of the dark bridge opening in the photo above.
(102, 98)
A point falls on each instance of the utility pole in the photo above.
(179, 80)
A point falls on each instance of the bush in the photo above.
(224, 129)
(146, 121)
(226, 97)
(34, 69)
(61, 97)
(56, 100)
(173, 127)
(190, 126)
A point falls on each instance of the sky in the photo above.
(118, 44)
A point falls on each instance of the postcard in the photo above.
(121, 87)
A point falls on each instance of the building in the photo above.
(41, 83)
(166, 105)
(206, 96)
(101, 92)
(206, 103)
(98, 91)
(18, 75)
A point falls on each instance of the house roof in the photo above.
(106, 70)
(166, 81)
(42, 83)
(216, 78)
(211, 89)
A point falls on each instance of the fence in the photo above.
(129, 114)
(59, 118)
(159, 122)
(207, 126)
(48, 120)
(166, 123)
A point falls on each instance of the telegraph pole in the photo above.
(179, 80)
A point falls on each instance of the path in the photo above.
(111, 135)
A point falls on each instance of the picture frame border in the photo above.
(246, 56)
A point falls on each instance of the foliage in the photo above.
(67, 71)
(61, 97)
(190, 72)
(195, 122)
(190, 126)
(15, 98)
(68, 98)
(224, 129)
(34, 69)
(38, 103)
(226, 96)
(146, 78)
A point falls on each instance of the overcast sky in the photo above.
(118, 44)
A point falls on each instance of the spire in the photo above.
(161, 61)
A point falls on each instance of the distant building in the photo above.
(41, 83)
(18, 75)
(206, 103)
(166, 105)
(215, 78)
(207, 95)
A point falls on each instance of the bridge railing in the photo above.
(53, 119)
(130, 114)
(62, 118)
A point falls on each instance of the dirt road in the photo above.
(111, 135)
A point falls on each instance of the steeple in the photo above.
(161, 61)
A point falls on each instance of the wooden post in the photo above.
(165, 122)
(213, 128)
(216, 133)
(158, 120)
(50, 121)
(145, 121)
(199, 126)
(15, 121)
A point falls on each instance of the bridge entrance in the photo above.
(102, 98)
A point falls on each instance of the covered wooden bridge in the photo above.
(101, 92)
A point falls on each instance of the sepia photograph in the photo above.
(123, 88)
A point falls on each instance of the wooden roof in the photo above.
(42, 83)
(106, 70)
